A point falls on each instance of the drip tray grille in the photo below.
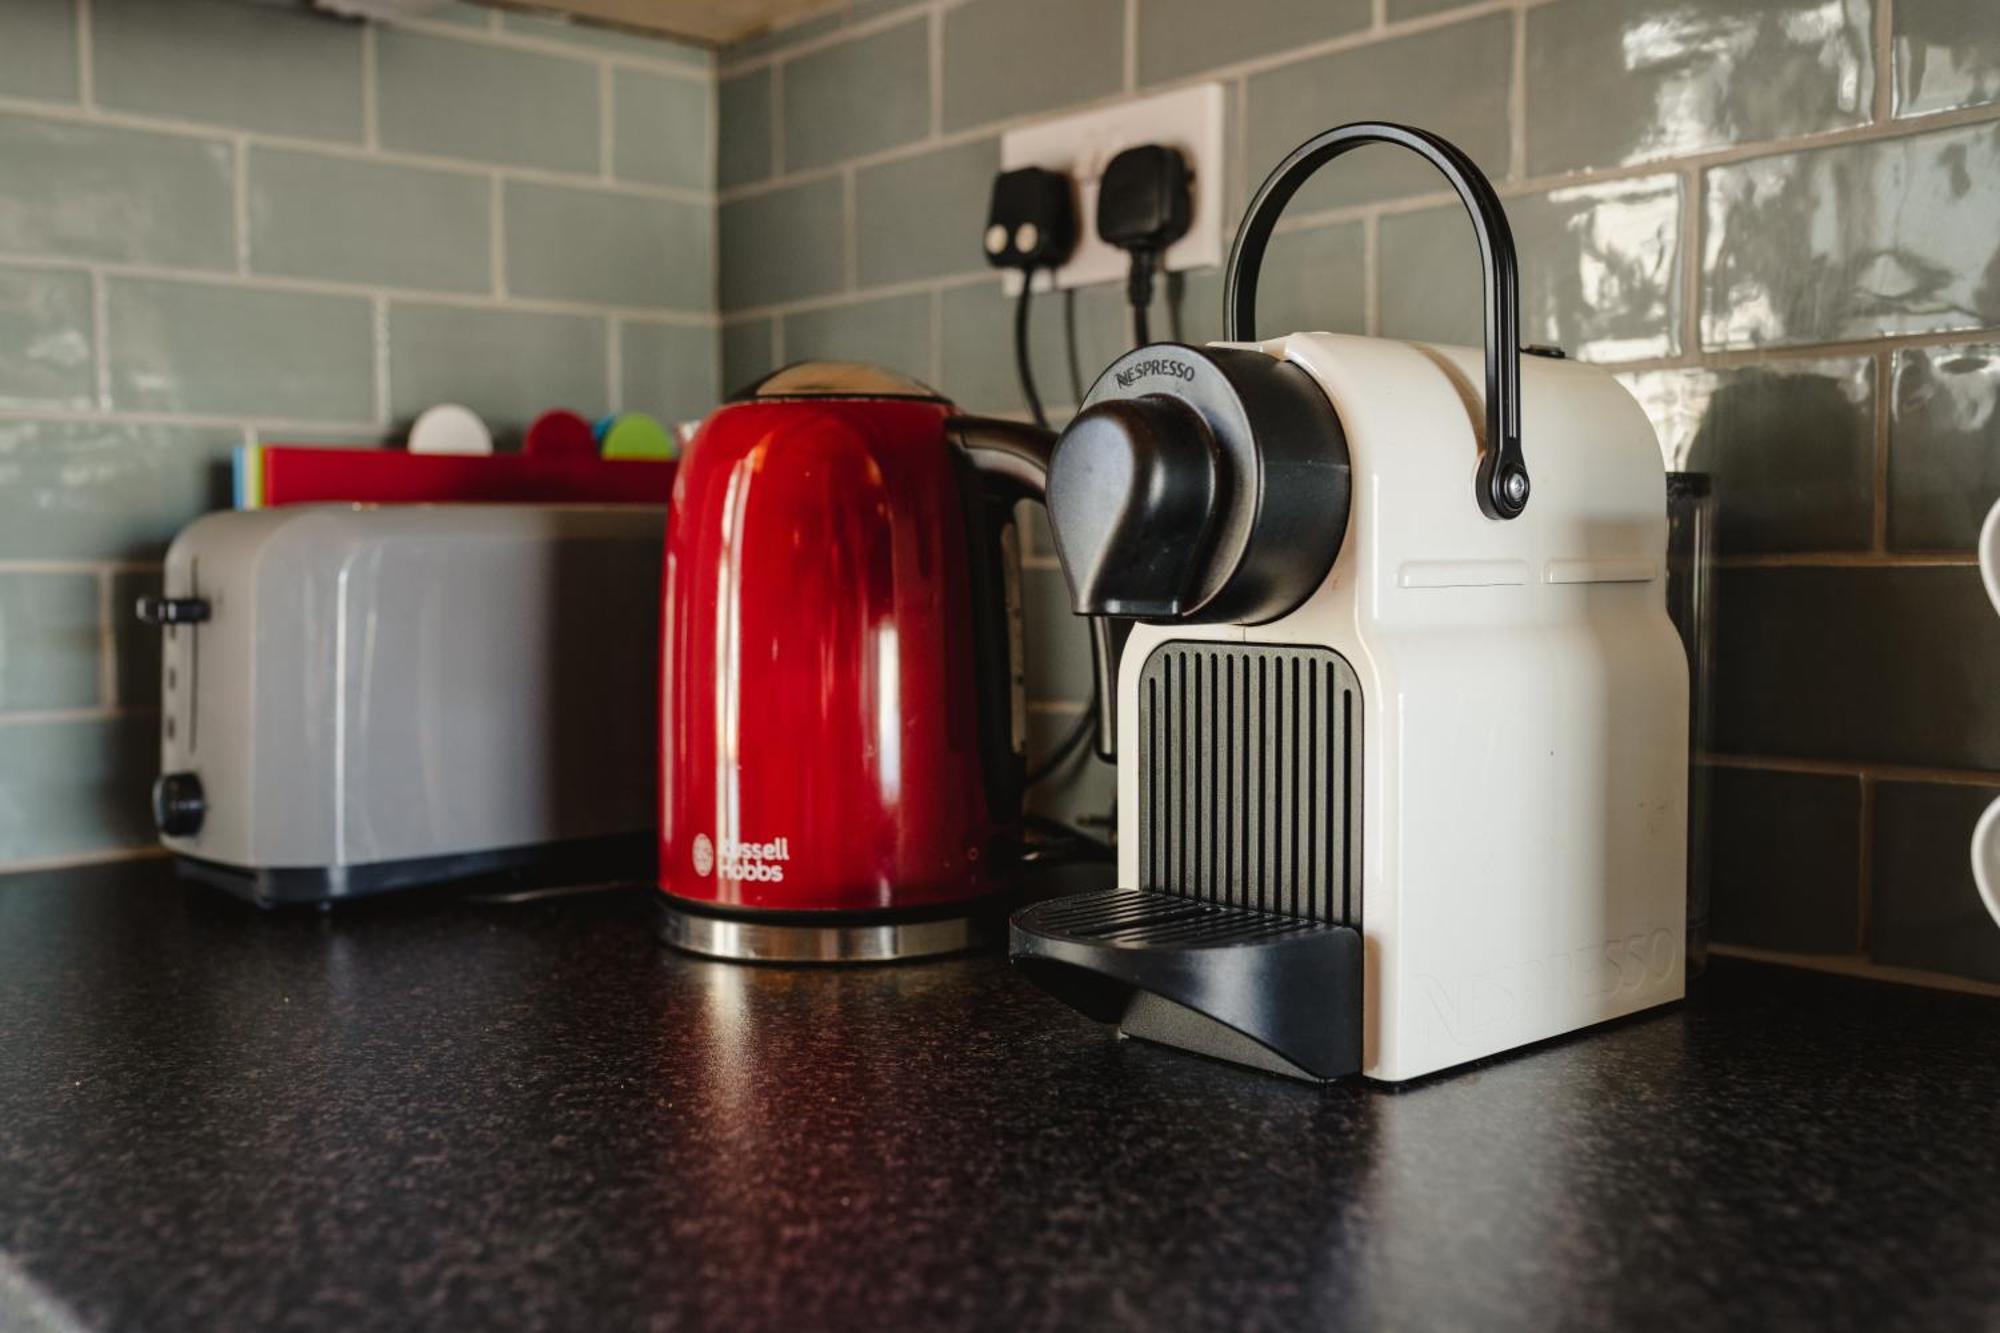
(1278, 992)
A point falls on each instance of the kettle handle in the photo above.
(1502, 483)
(1015, 456)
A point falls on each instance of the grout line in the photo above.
(496, 229)
(100, 338)
(1130, 39)
(607, 121)
(1864, 869)
(1879, 368)
(1884, 101)
(777, 340)
(497, 35)
(614, 364)
(1378, 17)
(1688, 332)
(777, 126)
(239, 184)
(935, 37)
(1948, 777)
(850, 238)
(937, 336)
(1850, 560)
(1517, 100)
(107, 643)
(148, 853)
(359, 291)
(1507, 188)
(80, 566)
(371, 119)
(1371, 274)
(378, 319)
(36, 717)
(86, 56)
(1862, 968)
(222, 134)
(196, 420)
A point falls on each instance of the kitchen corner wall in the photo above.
(223, 223)
(1779, 219)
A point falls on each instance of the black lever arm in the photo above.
(1502, 484)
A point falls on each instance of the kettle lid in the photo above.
(836, 379)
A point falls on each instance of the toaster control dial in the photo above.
(178, 805)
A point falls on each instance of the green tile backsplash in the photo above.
(216, 350)
(1775, 219)
(38, 50)
(108, 193)
(46, 338)
(858, 97)
(452, 98)
(1892, 236)
(316, 215)
(1610, 84)
(224, 222)
(251, 67)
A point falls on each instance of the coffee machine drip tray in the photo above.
(1282, 993)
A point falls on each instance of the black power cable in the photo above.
(1023, 363)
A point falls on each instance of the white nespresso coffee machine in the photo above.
(1402, 739)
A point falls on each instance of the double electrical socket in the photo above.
(1082, 145)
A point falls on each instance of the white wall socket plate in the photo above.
(1082, 145)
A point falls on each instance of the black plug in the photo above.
(1030, 224)
(1144, 205)
(1031, 221)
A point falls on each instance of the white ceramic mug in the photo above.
(1986, 833)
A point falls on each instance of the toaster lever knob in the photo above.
(178, 805)
(173, 610)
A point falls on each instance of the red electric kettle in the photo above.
(841, 700)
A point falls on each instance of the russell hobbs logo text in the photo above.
(1179, 370)
(759, 862)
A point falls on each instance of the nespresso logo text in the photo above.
(1179, 370)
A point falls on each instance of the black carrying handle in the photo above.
(1502, 482)
(1014, 458)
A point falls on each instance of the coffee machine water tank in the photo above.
(1402, 727)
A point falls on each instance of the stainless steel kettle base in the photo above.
(874, 942)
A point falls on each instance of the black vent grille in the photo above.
(1250, 778)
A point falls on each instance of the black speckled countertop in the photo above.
(444, 1114)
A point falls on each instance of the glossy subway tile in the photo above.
(1178, 38)
(1609, 84)
(252, 67)
(507, 365)
(857, 96)
(1947, 55)
(105, 193)
(47, 335)
(1785, 873)
(38, 50)
(667, 370)
(49, 641)
(1944, 445)
(313, 215)
(1882, 665)
(1453, 80)
(1925, 909)
(1600, 270)
(1000, 61)
(783, 245)
(214, 349)
(1891, 236)
(893, 332)
(1790, 446)
(573, 243)
(71, 788)
(86, 490)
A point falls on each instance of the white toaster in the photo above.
(358, 698)
(1401, 738)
